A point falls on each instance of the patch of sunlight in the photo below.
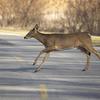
(16, 32)
(96, 40)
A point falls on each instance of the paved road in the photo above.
(60, 79)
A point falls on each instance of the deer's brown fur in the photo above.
(55, 42)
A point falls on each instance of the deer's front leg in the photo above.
(44, 59)
(35, 61)
(47, 51)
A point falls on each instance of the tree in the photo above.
(83, 15)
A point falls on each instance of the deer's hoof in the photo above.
(33, 63)
(36, 70)
(84, 70)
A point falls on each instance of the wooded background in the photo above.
(52, 15)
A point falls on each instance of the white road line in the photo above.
(32, 89)
(19, 58)
(71, 78)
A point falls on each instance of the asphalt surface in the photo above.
(61, 77)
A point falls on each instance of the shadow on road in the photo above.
(31, 69)
(28, 69)
(5, 42)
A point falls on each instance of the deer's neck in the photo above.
(40, 37)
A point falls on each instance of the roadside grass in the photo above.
(13, 31)
(96, 40)
(20, 32)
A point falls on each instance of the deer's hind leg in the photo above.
(88, 46)
(92, 50)
(88, 54)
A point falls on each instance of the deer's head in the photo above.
(32, 33)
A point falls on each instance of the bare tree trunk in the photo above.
(25, 14)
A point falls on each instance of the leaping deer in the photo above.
(56, 42)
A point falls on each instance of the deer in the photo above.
(56, 42)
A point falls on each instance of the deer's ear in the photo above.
(36, 27)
